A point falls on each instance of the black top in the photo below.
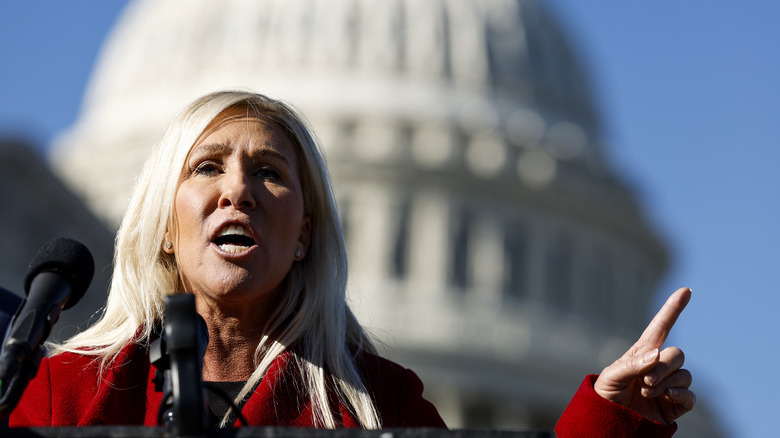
(219, 405)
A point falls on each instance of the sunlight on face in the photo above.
(239, 214)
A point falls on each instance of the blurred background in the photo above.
(522, 183)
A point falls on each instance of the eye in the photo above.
(206, 168)
(268, 172)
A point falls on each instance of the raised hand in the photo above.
(647, 379)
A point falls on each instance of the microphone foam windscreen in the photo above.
(68, 258)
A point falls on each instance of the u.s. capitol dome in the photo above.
(492, 247)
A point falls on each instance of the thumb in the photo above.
(641, 363)
(645, 362)
(616, 379)
(629, 367)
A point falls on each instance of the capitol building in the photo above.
(493, 248)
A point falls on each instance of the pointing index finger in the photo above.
(656, 332)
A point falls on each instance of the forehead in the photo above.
(241, 127)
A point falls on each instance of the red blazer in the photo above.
(590, 415)
(67, 392)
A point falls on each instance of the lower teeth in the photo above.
(233, 248)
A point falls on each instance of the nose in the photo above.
(237, 191)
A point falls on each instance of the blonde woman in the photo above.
(235, 206)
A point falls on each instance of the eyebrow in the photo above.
(271, 153)
(209, 149)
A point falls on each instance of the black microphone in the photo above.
(57, 278)
(9, 306)
(178, 356)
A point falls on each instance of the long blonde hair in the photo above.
(313, 314)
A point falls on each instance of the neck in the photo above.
(233, 340)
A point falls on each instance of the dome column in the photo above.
(428, 244)
(486, 262)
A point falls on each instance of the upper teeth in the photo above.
(234, 229)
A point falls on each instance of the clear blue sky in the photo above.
(690, 96)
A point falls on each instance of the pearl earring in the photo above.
(168, 245)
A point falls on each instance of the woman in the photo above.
(235, 206)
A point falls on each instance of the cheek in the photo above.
(189, 207)
(290, 212)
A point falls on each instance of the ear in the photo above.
(167, 243)
(304, 238)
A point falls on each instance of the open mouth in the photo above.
(234, 238)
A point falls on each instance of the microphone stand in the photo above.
(22, 349)
(178, 356)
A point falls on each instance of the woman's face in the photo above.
(239, 215)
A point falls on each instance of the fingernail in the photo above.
(650, 379)
(672, 393)
(650, 356)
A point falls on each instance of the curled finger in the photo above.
(680, 379)
(681, 401)
(670, 360)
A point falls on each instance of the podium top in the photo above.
(267, 432)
